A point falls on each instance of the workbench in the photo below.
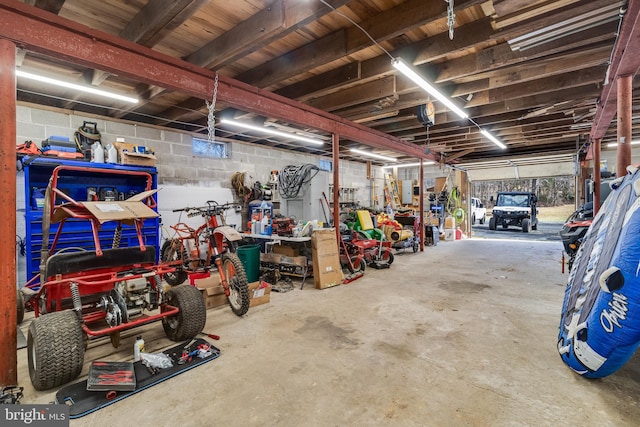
(296, 266)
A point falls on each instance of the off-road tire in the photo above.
(238, 285)
(179, 275)
(492, 223)
(525, 225)
(192, 317)
(19, 306)
(55, 349)
(534, 227)
(390, 258)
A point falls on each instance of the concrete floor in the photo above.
(463, 334)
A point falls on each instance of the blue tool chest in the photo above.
(81, 185)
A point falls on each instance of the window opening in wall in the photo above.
(216, 150)
(325, 165)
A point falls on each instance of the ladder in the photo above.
(392, 192)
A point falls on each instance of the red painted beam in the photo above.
(626, 62)
(39, 31)
(8, 313)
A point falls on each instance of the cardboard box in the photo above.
(260, 293)
(127, 155)
(327, 271)
(286, 250)
(118, 210)
(212, 290)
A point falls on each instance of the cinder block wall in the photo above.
(176, 163)
(178, 169)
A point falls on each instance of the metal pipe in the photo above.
(596, 176)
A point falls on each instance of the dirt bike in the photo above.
(193, 250)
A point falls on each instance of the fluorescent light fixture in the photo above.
(271, 131)
(415, 77)
(374, 155)
(407, 165)
(74, 86)
(615, 144)
(492, 138)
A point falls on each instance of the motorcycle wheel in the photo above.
(170, 256)
(234, 272)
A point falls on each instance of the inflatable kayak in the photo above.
(600, 322)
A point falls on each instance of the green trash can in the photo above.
(250, 257)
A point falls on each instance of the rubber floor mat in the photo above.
(82, 402)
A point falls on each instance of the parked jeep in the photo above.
(515, 208)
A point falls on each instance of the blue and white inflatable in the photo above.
(600, 324)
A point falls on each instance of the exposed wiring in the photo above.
(359, 27)
(621, 13)
(21, 244)
(292, 178)
(451, 21)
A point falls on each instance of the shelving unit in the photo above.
(79, 185)
(347, 195)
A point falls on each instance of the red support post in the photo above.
(335, 138)
(421, 205)
(625, 100)
(596, 176)
(8, 312)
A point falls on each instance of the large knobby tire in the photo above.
(170, 256)
(19, 306)
(238, 286)
(525, 225)
(55, 349)
(192, 317)
(492, 223)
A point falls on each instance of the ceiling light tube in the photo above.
(415, 77)
(374, 155)
(74, 86)
(615, 144)
(271, 131)
(407, 165)
(492, 138)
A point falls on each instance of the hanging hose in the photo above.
(292, 178)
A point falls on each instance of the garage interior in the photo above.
(462, 332)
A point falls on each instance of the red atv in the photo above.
(84, 294)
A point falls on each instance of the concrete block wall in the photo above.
(177, 166)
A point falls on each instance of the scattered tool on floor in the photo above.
(212, 336)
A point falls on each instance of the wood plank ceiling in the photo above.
(530, 71)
